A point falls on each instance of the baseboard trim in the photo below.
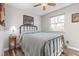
(73, 48)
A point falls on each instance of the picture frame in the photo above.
(2, 14)
(28, 19)
(75, 17)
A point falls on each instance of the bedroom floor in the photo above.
(71, 52)
(19, 52)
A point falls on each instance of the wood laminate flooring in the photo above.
(18, 52)
(15, 52)
(70, 52)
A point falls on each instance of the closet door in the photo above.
(2, 13)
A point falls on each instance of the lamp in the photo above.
(12, 30)
(12, 37)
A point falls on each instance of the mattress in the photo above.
(32, 43)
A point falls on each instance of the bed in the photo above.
(35, 43)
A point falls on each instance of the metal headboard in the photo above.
(27, 27)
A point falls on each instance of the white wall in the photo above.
(14, 17)
(3, 40)
(71, 29)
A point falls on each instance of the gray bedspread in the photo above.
(32, 43)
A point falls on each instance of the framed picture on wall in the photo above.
(28, 19)
(75, 17)
(2, 14)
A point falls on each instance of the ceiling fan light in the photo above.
(44, 4)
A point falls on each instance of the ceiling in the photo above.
(38, 10)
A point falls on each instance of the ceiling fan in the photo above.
(44, 5)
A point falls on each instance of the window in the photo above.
(57, 23)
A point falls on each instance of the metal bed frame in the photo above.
(27, 27)
(56, 41)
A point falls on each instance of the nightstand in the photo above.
(12, 42)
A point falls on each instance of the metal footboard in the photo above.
(55, 47)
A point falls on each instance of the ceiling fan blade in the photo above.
(37, 5)
(51, 4)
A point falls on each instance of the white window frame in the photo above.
(54, 25)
